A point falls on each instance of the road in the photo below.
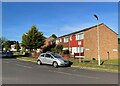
(21, 72)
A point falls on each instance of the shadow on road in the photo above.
(12, 57)
(53, 67)
(70, 63)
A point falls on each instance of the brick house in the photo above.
(49, 41)
(85, 42)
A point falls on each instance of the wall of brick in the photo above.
(108, 43)
(90, 43)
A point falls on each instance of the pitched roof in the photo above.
(86, 30)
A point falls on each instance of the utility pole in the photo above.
(98, 40)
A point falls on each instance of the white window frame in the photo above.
(70, 37)
(82, 36)
(79, 36)
(65, 48)
(57, 41)
(80, 49)
(65, 39)
(60, 39)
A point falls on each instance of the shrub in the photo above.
(59, 48)
(27, 54)
(23, 50)
(35, 54)
(48, 48)
(45, 49)
(66, 52)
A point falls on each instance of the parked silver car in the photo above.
(52, 59)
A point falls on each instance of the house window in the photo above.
(57, 41)
(71, 38)
(66, 39)
(60, 39)
(79, 49)
(65, 48)
(79, 36)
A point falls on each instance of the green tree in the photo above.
(59, 48)
(17, 46)
(49, 48)
(54, 36)
(23, 49)
(2, 41)
(33, 39)
(7, 44)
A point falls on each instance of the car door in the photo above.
(48, 59)
(42, 58)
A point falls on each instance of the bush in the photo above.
(48, 48)
(35, 54)
(59, 48)
(27, 54)
(53, 49)
(45, 49)
(23, 50)
(66, 52)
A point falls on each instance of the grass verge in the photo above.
(94, 65)
(32, 59)
(76, 63)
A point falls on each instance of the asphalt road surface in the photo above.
(21, 72)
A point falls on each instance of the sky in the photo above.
(58, 18)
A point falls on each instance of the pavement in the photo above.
(21, 72)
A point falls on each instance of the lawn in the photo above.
(93, 64)
(33, 59)
(114, 61)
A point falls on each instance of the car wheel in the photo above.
(39, 62)
(55, 64)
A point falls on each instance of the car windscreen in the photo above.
(56, 55)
